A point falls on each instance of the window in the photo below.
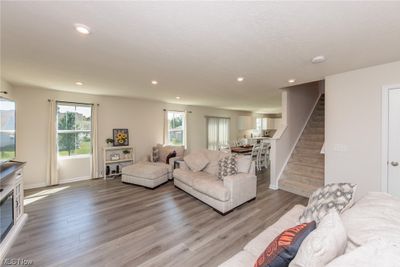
(74, 129)
(218, 132)
(261, 124)
(176, 128)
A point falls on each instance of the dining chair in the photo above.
(225, 148)
(263, 157)
(255, 155)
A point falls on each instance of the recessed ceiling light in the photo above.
(154, 82)
(318, 59)
(240, 79)
(79, 83)
(81, 28)
(291, 80)
(178, 97)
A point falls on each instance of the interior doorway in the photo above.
(391, 140)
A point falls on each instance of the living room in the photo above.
(234, 117)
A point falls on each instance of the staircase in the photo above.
(304, 172)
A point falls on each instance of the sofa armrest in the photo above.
(183, 165)
(242, 186)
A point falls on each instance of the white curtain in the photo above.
(165, 127)
(223, 131)
(52, 168)
(218, 132)
(94, 168)
(185, 129)
(212, 133)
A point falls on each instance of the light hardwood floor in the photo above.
(108, 223)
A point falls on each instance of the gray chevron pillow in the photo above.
(227, 166)
(338, 196)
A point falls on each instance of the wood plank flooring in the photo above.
(108, 223)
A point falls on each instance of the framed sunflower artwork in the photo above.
(121, 137)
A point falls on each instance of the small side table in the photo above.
(177, 164)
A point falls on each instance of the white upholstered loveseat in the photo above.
(372, 229)
(222, 195)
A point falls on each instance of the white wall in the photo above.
(297, 105)
(353, 125)
(143, 118)
(5, 86)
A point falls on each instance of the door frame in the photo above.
(385, 135)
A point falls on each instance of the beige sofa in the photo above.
(222, 195)
(373, 234)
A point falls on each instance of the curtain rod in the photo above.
(71, 102)
(188, 111)
(216, 117)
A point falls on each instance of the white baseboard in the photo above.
(64, 181)
(273, 187)
(34, 185)
(75, 179)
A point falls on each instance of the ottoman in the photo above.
(147, 174)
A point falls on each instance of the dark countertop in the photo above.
(9, 168)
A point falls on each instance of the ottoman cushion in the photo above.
(148, 170)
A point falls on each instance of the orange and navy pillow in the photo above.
(284, 247)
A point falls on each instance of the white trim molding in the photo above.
(384, 135)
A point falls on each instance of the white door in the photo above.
(394, 142)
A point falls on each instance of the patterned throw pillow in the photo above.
(227, 166)
(282, 250)
(338, 196)
(156, 153)
(170, 155)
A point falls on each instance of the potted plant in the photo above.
(109, 141)
(126, 153)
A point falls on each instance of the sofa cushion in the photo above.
(324, 244)
(281, 251)
(147, 170)
(257, 245)
(227, 166)
(338, 196)
(185, 176)
(378, 253)
(241, 259)
(196, 161)
(375, 216)
(211, 186)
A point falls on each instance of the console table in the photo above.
(11, 187)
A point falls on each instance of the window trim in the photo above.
(75, 104)
(166, 127)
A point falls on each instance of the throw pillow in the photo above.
(196, 161)
(171, 155)
(332, 196)
(155, 154)
(227, 166)
(324, 244)
(281, 251)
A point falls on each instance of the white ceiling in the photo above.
(195, 50)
